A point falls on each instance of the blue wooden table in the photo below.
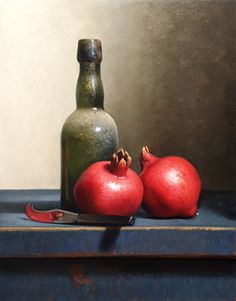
(174, 259)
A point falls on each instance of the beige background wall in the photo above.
(169, 74)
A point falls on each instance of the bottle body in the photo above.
(89, 134)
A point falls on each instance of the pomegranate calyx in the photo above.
(120, 162)
(146, 157)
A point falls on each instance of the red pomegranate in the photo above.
(171, 185)
(109, 187)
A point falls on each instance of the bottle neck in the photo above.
(89, 89)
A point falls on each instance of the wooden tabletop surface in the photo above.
(210, 234)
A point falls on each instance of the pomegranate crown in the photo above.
(146, 157)
(120, 162)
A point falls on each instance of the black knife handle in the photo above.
(104, 220)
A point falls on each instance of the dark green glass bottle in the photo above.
(89, 134)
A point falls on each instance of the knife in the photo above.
(58, 216)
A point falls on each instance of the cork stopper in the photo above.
(89, 50)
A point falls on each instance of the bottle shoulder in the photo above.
(83, 119)
(88, 115)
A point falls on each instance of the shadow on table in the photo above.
(109, 238)
(222, 203)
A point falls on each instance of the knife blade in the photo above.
(58, 216)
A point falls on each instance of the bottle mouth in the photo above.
(89, 50)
